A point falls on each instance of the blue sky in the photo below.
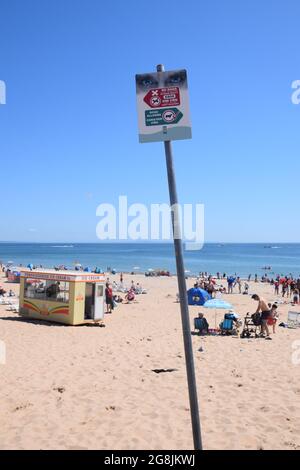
(68, 133)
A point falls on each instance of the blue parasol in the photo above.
(217, 304)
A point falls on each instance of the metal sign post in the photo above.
(186, 329)
(163, 115)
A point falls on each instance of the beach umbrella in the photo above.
(87, 270)
(30, 266)
(217, 304)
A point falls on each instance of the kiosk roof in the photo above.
(63, 275)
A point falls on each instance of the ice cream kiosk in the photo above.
(70, 297)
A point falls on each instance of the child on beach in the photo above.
(273, 317)
(246, 288)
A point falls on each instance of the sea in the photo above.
(231, 258)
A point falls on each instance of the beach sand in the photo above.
(87, 387)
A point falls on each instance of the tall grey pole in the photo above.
(189, 359)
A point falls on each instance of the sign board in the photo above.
(163, 106)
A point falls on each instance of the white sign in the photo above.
(163, 106)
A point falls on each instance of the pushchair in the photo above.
(252, 324)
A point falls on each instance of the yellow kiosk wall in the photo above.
(61, 312)
(69, 313)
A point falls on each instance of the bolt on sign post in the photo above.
(163, 115)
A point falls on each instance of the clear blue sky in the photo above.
(68, 133)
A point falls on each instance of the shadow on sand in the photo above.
(49, 323)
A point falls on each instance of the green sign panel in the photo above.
(162, 117)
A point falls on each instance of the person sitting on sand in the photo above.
(263, 307)
(130, 296)
(202, 324)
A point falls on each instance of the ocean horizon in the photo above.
(232, 258)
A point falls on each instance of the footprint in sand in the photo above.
(111, 407)
(23, 407)
(59, 389)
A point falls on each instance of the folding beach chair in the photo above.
(200, 325)
(293, 320)
(228, 326)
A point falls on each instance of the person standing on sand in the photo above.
(265, 314)
(230, 282)
(239, 283)
(109, 298)
(121, 278)
(284, 288)
(296, 297)
(272, 320)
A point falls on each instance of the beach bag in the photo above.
(256, 318)
(229, 316)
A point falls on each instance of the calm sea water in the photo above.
(231, 258)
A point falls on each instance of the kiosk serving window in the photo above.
(57, 291)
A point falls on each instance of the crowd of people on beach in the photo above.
(266, 316)
(285, 286)
(209, 284)
(112, 298)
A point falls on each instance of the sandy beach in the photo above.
(86, 387)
